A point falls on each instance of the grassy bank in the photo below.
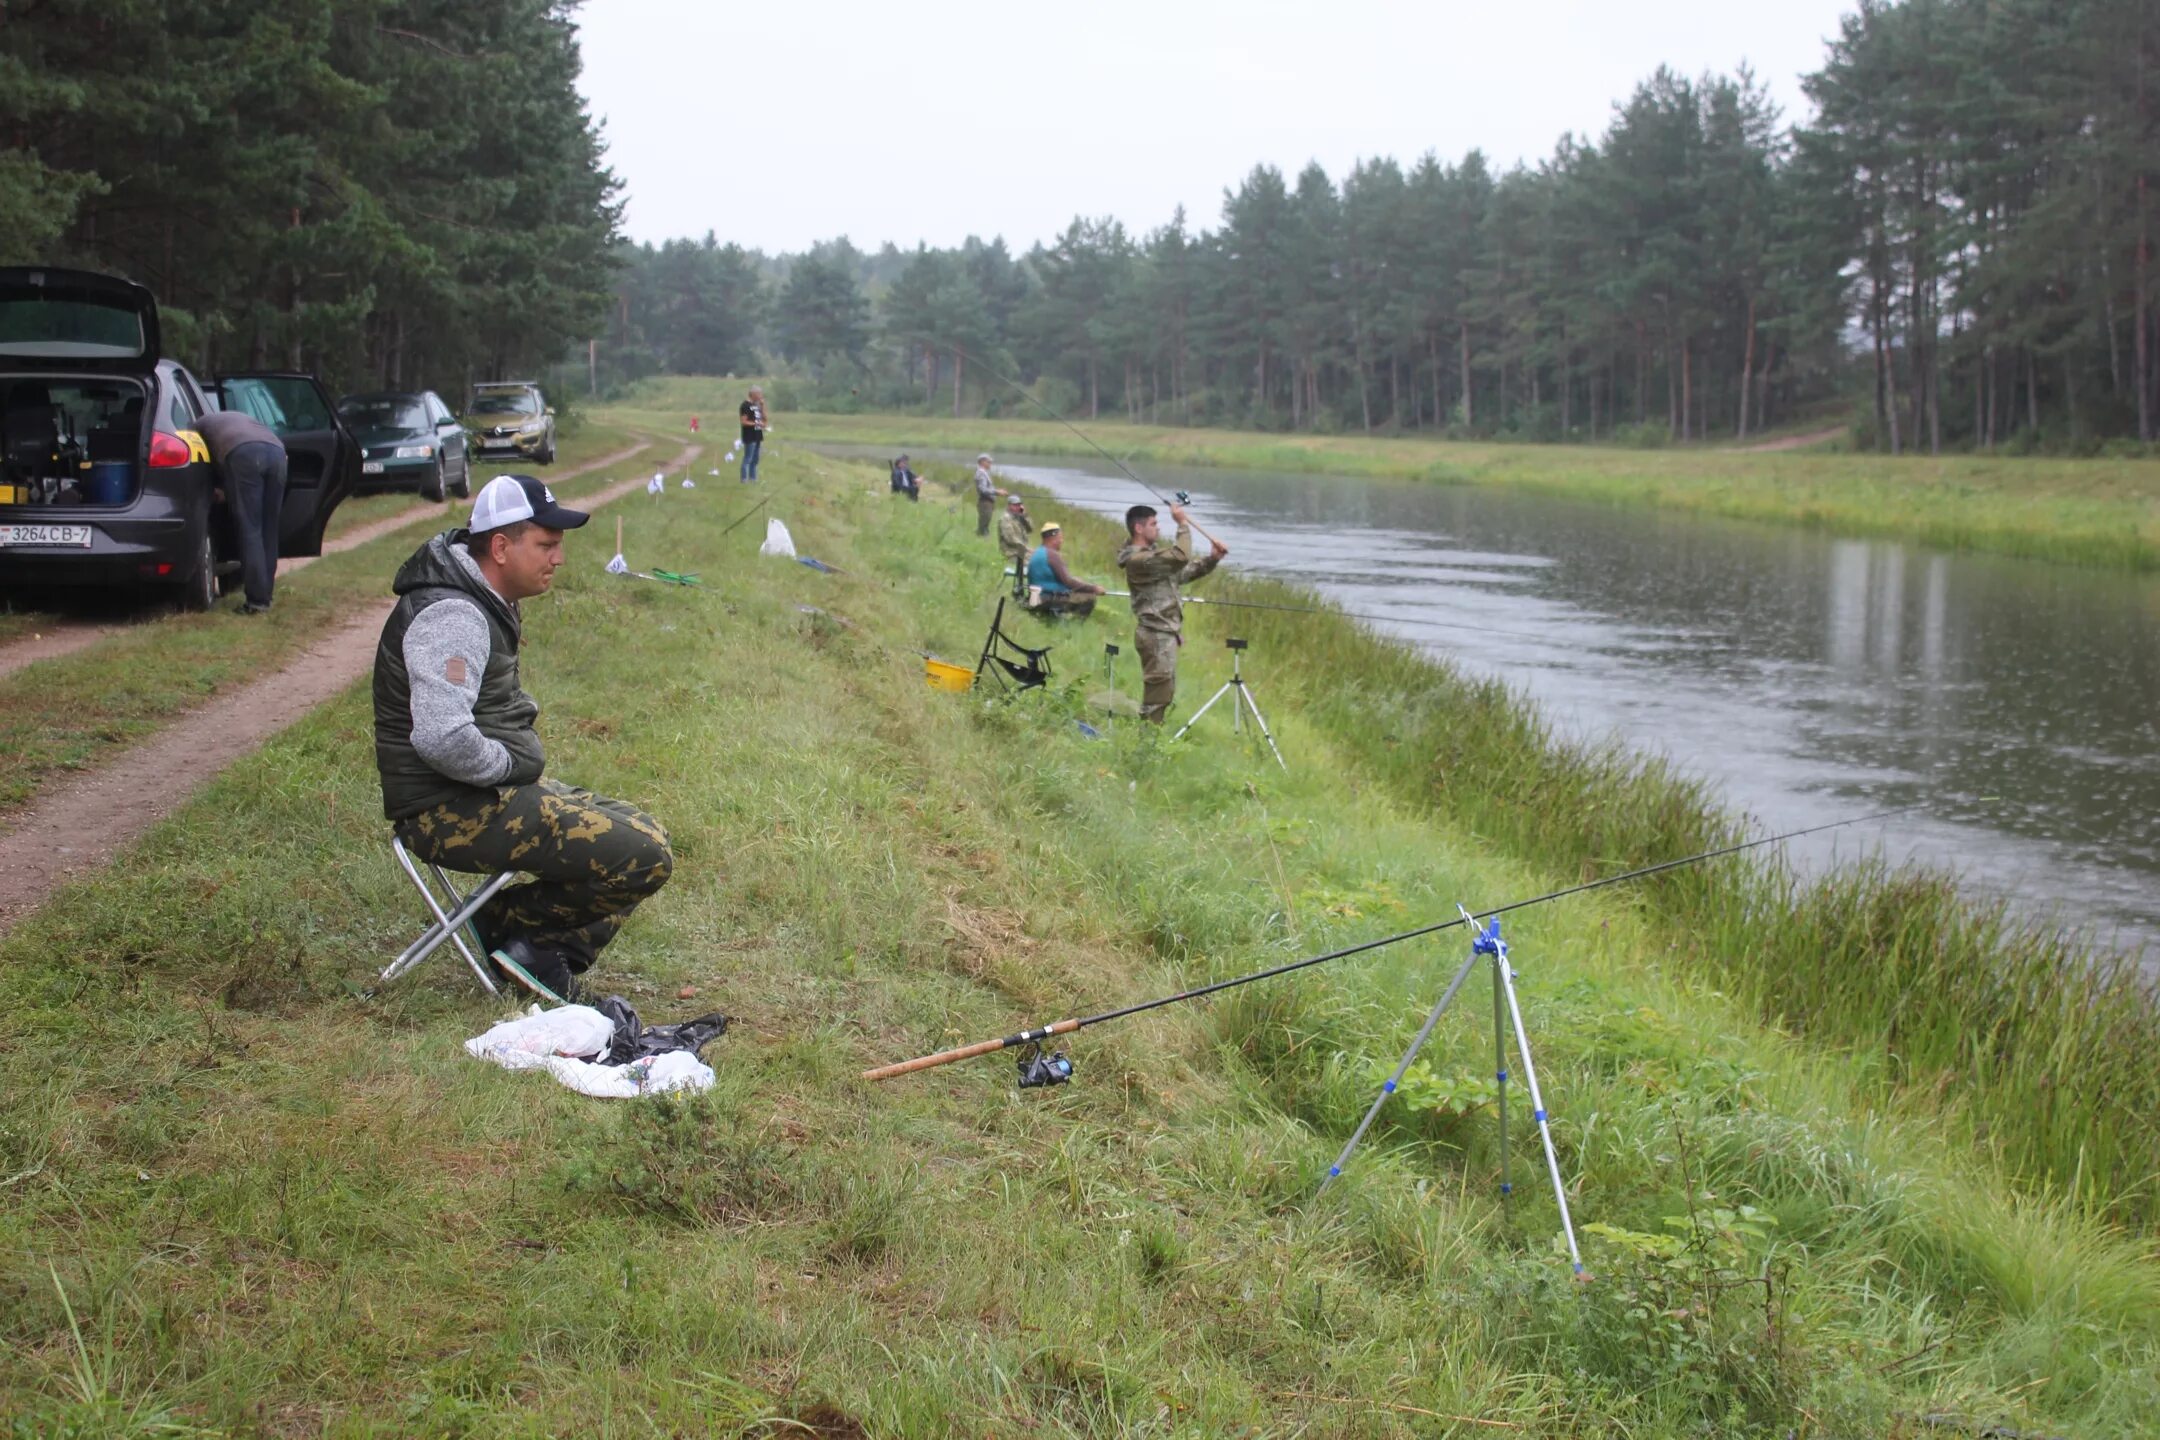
(65, 714)
(241, 1201)
(2094, 512)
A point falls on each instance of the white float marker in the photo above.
(618, 565)
(657, 484)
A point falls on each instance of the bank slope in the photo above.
(242, 1200)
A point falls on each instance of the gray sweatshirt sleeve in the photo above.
(446, 653)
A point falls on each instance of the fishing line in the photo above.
(1127, 471)
(1043, 1075)
(1029, 396)
(1358, 615)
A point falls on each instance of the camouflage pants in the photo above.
(1158, 671)
(593, 860)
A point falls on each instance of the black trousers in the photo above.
(255, 493)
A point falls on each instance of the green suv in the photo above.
(511, 420)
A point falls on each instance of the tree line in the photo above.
(399, 193)
(1955, 247)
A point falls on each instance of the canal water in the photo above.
(1809, 678)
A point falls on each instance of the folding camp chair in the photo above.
(1028, 672)
(454, 925)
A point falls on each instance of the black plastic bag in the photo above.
(634, 1039)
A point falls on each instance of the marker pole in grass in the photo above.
(1499, 1044)
(1424, 1033)
(1488, 941)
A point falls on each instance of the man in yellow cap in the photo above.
(1051, 587)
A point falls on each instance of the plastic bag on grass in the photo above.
(572, 1042)
(777, 539)
(523, 1043)
(676, 1070)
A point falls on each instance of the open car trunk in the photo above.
(72, 441)
(78, 355)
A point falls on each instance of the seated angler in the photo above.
(1051, 587)
(461, 762)
(905, 481)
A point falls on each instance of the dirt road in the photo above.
(65, 635)
(84, 822)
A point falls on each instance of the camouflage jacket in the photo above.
(1014, 542)
(1153, 574)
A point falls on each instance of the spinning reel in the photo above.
(1038, 1070)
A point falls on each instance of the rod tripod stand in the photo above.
(1241, 700)
(1506, 1008)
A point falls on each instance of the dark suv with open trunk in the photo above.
(103, 478)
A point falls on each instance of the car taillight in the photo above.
(168, 451)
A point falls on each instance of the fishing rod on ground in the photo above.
(1037, 1069)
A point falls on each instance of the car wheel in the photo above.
(199, 591)
(547, 456)
(432, 487)
(463, 489)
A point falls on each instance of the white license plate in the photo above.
(371, 467)
(76, 535)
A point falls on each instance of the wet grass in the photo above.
(240, 1201)
(2087, 512)
(65, 714)
(2033, 1044)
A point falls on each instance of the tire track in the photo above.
(84, 822)
(62, 637)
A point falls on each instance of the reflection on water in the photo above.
(1811, 678)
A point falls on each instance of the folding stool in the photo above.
(453, 925)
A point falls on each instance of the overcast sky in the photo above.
(909, 120)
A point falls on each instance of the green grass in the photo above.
(239, 1200)
(66, 714)
(2091, 512)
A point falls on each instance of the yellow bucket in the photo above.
(956, 678)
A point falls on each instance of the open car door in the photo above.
(322, 459)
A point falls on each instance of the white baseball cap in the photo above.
(507, 499)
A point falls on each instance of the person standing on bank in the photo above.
(986, 495)
(1014, 541)
(1153, 573)
(754, 426)
(251, 462)
(461, 762)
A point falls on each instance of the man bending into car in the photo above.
(460, 760)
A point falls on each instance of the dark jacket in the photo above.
(225, 431)
(503, 712)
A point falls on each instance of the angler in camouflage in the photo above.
(1153, 573)
(461, 761)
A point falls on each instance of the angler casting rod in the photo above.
(1041, 1033)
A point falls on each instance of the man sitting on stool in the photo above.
(1051, 587)
(461, 762)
